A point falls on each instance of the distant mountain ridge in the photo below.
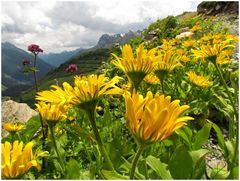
(12, 68)
(56, 59)
(106, 40)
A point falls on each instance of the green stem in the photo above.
(146, 170)
(55, 147)
(231, 123)
(92, 117)
(41, 120)
(135, 160)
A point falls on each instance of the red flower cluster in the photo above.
(26, 62)
(34, 48)
(71, 68)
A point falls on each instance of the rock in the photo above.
(185, 29)
(184, 34)
(213, 8)
(16, 112)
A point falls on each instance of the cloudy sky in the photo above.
(58, 26)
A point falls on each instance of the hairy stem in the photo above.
(135, 160)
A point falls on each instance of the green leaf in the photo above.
(202, 136)
(31, 128)
(183, 135)
(159, 167)
(199, 164)
(181, 164)
(219, 173)
(113, 175)
(220, 136)
(230, 149)
(107, 117)
(72, 170)
(127, 166)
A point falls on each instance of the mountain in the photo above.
(106, 40)
(12, 68)
(56, 59)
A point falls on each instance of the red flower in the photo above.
(71, 68)
(34, 48)
(26, 62)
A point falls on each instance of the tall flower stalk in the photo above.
(35, 49)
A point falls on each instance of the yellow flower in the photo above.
(99, 108)
(196, 28)
(153, 118)
(152, 79)
(198, 80)
(223, 58)
(86, 89)
(51, 112)
(135, 68)
(165, 62)
(17, 160)
(189, 43)
(211, 52)
(13, 127)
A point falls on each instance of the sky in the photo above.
(57, 26)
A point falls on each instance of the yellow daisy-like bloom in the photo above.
(164, 63)
(189, 43)
(153, 118)
(196, 28)
(198, 80)
(13, 127)
(211, 52)
(135, 68)
(152, 79)
(51, 112)
(86, 89)
(17, 160)
(223, 58)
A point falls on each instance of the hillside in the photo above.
(12, 68)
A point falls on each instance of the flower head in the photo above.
(71, 68)
(165, 62)
(17, 160)
(198, 80)
(152, 79)
(211, 52)
(26, 62)
(153, 118)
(34, 48)
(86, 89)
(51, 112)
(135, 68)
(13, 127)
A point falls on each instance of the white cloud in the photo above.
(58, 26)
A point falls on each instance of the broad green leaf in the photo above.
(202, 136)
(181, 164)
(183, 135)
(107, 117)
(158, 167)
(220, 136)
(113, 175)
(31, 129)
(199, 164)
(230, 149)
(72, 170)
(219, 173)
